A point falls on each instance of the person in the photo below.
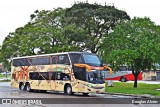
(95, 76)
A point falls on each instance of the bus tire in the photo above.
(21, 86)
(28, 87)
(85, 94)
(68, 89)
(123, 79)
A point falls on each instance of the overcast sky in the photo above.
(16, 13)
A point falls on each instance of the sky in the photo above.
(16, 13)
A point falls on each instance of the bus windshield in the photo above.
(95, 76)
(92, 60)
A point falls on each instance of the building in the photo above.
(151, 75)
(1, 67)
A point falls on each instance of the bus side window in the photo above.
(40, 61)
(79, 73)
(45, 76)
(62, 76)
(24, 62)
(58, 76)
(76, 58)
(65, 76)
(54, 59)
(63, 59)
(129, 69)
(40, 77)
(16, 62)
(34, 61)
(123, 68)
(34, 75)
(52, 75)
(43, 61)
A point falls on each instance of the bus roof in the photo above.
(52, 54)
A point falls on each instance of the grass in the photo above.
(1, 76)
(4, 80)
(4, 76)
(127, 88)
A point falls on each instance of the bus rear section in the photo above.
(123, 74)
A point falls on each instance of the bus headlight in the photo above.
(89, 85)
(95, 87)
(86, 70)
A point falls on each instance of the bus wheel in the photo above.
(21, 86)
(123, 79)
(68, 89)
(28, 87)
(85, 94)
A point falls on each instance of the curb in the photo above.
(142, 96)
(5, 78)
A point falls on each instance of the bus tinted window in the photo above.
(123, 68)
(79, 73)
(60, 59)
(33, 75)
(52, 75)
(54, 59)
(16, 62)
(92, 59)
(44, 61)
(48, 76)
(76, 58)
(21, 62)
(63, 59)
(40, 61)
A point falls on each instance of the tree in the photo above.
(135, 44)
(43, 32)
(59, 30)
(17, 44)
(51, 31)
(87, 24)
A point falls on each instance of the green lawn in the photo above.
(4, 80)
(4, 76)
(127, 88)
(1, 76)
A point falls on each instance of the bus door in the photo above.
(52, 81)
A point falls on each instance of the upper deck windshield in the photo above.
(92, 60)
(85, 58)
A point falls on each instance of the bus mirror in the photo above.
(110, 70)
(84, 66)
(88, 69)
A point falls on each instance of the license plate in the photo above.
(97, 91)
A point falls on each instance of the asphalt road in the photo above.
(56, 99)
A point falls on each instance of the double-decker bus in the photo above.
(69, 72)
(123, 74)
